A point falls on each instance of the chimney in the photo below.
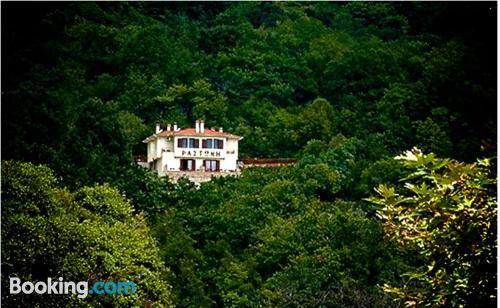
(202, 126)
(169, 127)
(197, 126)
(158, 129)
(175, 127)
(221, 130)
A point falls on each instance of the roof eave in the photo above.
(173, 134)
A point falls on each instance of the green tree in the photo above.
(88, 235)
(431, 137)
(447, 215)
(330, 255)
(198, 101)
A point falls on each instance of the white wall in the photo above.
(151, 151)
(161, 143)
(168, 155)
(169, 161)
(230, 161)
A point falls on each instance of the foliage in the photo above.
(447, 215)
(267, 238)
(342, 87)
(88, 235)
(259, 70)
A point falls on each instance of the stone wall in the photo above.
(198, 177)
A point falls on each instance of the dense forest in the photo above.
(389, 109)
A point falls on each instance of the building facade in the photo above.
(197, 153)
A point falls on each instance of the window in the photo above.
(211, 165)
(188, 143)
(207, 143)
(187, 165)
(218, 143)
(213, 144)
(194, 143)
(182, 143)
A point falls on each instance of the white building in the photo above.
(197, 153)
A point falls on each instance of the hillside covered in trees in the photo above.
(343, 87)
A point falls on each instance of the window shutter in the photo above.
(204, 143)
(196, 143)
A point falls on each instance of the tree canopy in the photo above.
(342, 87)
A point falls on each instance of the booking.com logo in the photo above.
(81, 288)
